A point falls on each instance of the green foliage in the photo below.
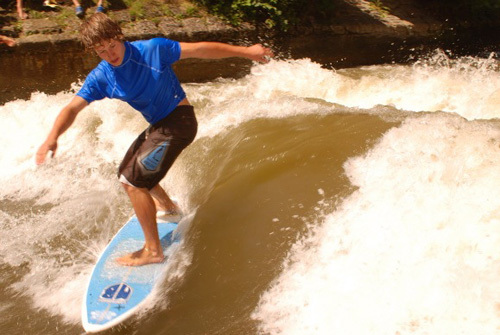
(270, 11)
(379, 6)
(274, 13)
(478, 6)
(33, 14)
(136, 8)
(192, 11)
(63, 16)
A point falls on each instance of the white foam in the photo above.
(58, 217)
(75, 195)
(55, 288)
(467, 86)
(268, 92)
(415, 250)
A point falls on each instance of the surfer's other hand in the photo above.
(47, 146)
(259, 53)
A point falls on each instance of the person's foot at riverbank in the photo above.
(7, 40)
(80, 12)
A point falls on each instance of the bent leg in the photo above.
(162, 200)
(145, 211)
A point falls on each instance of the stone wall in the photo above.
(48, 56)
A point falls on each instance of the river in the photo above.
(361, 200)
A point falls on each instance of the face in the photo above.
(112, 51)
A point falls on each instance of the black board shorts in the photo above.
(154, 151)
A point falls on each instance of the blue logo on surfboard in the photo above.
(116, 294)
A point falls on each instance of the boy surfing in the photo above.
(141, 74)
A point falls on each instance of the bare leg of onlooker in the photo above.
(78, 9)
(100, 6)
(20, 12)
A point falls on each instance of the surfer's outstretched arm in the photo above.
(63, 121)
(217, 50)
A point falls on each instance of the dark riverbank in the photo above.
(48, 56)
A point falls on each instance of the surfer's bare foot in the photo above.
(167, 207)
(164, 205)
(174, 210)
(172, 214)
(141, 257)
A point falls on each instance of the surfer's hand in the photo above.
(259, 53)
(44, 149)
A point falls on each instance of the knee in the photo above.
(128, 188)
(126, 184)
(133, 190)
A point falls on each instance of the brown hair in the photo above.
(97, 28)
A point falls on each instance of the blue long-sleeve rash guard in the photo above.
(145, 79)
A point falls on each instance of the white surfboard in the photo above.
(115, 292)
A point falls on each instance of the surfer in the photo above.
(140, 73)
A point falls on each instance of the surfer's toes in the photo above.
(141, 257)
(162, 216)
(127, 261)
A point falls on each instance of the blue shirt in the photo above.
(145, 79)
